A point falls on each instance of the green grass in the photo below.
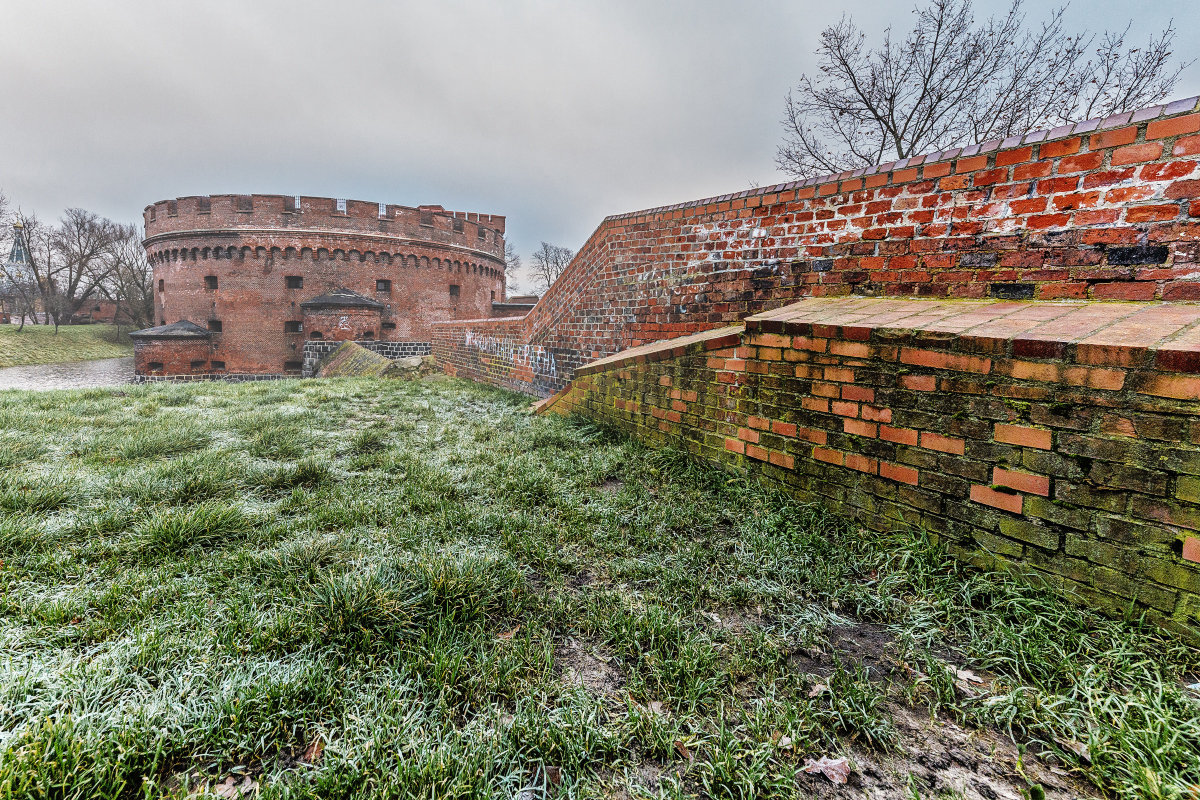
(357, 588)
(39, 344)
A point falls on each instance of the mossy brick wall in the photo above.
(1103, 209)
(1079, 462)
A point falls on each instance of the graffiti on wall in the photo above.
(534, 356)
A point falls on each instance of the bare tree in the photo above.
(130, 284)
(512, 269)
(548, 262)
(953, 82)
(69, 262)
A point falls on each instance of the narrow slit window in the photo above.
(210, 282)
(295, 281)
(455, 290)
(214, 325)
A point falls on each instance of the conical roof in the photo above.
(183, 329)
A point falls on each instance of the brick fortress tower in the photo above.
(252, 273)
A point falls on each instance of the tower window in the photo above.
(197, 366)
(458, 225)
(454, 290)
(218, 366)
(203, 205)
(291, 204)
(340, 206)
(210, 282)
(214, 325)
(291, 326)
(172, 208)
(383, 210)
(382, 285)
(295, 281)
(244, 203)
(161, 283)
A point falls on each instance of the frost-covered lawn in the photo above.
(415, 589)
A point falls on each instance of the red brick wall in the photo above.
(176, 356)
(1105, 210)
(341, 324)
(251, 254)
(1079, 462)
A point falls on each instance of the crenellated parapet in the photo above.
(264, 215)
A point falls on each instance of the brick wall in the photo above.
(340, 324)
(230, 257)
(1058, 438)
(1104, 210)
(172, 356)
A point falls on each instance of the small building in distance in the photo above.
(269, 277)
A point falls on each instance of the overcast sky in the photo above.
(552, 113)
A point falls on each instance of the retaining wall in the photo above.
(1060, 438)
(1103, 210)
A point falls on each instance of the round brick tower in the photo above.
(241, 266)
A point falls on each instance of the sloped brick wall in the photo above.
(1074, 457)
(1104, 210)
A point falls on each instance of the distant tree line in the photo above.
(55, 269)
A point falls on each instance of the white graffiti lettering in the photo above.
(534, 356)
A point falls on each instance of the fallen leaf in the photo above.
(229, 788)
(1078, 748)
(683, 751)
(835, 769)
(656, 707)
(968, 676)
(508, 634)
(312, 753)
(818, 690)
(784, 743)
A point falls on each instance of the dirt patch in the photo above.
(937, 757)
(585, 665)
(611, 485)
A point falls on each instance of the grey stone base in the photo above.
(229, 377)
(315, 350)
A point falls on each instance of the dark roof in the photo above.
(183, 329)
(341, 298)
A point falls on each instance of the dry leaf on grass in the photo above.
(683, 751)
(508, 634)
(835, 769)
(312, 753)
(818, 690)
(233, 790)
